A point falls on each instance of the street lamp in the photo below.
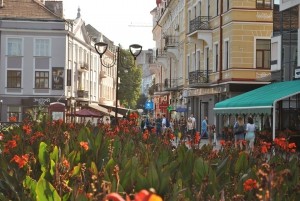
(101, 47)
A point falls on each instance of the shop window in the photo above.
(14, 111)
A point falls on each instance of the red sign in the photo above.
(163, 104)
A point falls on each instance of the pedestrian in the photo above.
(190, 128)
(239, 132)
(204, 126)
(182, 127)
(194, 125)
(158, 125)
(250, 134)
(144, 124)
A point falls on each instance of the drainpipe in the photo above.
(90, 94)
(170, 72)
(221, 43)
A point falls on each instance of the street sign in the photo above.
(149, 105)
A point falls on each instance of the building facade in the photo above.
(223, 50)
(46, 59)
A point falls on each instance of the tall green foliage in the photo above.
(130, 80)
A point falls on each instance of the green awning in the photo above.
(260, 100)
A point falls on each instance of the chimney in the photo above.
(55, 6)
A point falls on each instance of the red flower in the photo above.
(21, 161)
(27, 129)
(84, 145)
(222, 143)
(12, 119)
(66, 163)
(9, 145)
(250, 184)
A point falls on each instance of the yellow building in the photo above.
(225, 50)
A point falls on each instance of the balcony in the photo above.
(173, 84)
(82, 94)
(83, 67)
(171, 41)
(200, 23)
(161, 53)
(198, 77)
(103, 74)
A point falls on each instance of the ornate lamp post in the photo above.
(101, 48)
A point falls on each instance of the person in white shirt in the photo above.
(164, 123)
(250, 133)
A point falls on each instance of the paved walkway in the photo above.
(202, 142)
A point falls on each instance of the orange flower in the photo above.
(84, 145)
(146, 135)
(21, 161)
(222, 143)
(264, 149)
(292, 147)
(66, 163)
(250, 184)
(27, 129)
(9, 145)
(12, 119)
(145, 195)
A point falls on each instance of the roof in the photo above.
(260, 100)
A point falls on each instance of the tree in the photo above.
(140, 104)
(130, 80)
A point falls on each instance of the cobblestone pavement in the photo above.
(202, 142)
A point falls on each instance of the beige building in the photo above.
(223, 50)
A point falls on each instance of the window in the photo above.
(263, 53)
(14, 79)
(198, 60)
(207, 58)
(14, 111)
(14, 47)
(227, 5)
(217, 7)
(193, 63)
(226, 55)
(42, 47)
(264, 4)
(216, 56)
(199, 7)
(41, 79)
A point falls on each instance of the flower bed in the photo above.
(59, 161)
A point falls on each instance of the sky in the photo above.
(124, 22)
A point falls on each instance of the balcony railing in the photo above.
(171, 41)
(82, 94)
(200, 23)
(198, 76)
(160, 53)
(173, 83)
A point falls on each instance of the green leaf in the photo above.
(76, 170)
(43, 156)
(94, 168)
(45, 191)
(241, 164)
(54, 154)
(30, 184)
(52, 167)
(152, 176)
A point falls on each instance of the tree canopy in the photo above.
(130, 80)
